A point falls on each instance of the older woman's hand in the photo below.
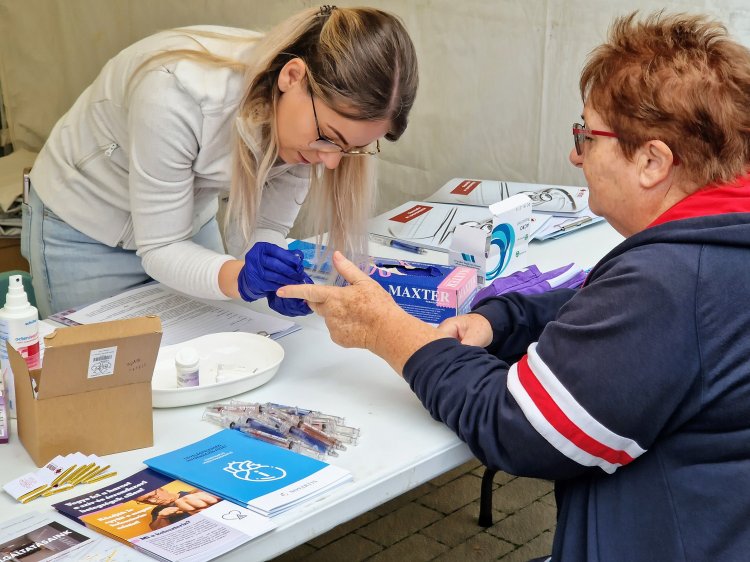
(469, 329)
(364, 315)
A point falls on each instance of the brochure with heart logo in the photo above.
(166, 518)
(266, 479)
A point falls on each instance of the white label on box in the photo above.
(469, 249)
(102, 362)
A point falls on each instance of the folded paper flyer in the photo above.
(165, 518)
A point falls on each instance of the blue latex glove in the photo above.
(288, 307)
(268, 267)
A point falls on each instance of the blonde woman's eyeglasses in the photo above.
(324, 144)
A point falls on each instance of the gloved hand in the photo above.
(268, 267)
(288, 307)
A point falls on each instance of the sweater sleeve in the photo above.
(517, 320)
(165, 127)
(615, 369)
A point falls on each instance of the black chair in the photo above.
(485, 499)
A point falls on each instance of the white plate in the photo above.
(249, 360)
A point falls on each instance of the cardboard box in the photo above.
(93, 392)
(427, 291)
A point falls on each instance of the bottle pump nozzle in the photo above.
(17, 297)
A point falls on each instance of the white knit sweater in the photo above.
(143, 172)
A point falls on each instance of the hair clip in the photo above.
(325, 10)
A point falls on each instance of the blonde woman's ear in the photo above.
(292, 74)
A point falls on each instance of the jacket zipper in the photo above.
(108, 150)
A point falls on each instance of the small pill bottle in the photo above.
(186, 364)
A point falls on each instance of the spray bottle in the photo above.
(19, 327)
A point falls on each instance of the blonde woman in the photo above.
(125, 190)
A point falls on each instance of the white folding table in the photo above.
(400, 446)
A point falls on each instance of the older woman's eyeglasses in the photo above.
(580, 132)
(324, 144)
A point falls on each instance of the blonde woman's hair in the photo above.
(360, 62)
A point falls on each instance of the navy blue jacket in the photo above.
(632, 393)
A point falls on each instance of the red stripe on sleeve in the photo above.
(562, 423)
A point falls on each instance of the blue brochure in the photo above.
(263, 477)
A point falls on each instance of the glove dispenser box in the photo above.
(427, 291)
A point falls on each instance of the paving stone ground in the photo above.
(438, 521)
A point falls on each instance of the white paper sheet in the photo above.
(183, 317)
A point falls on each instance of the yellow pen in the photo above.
(57, 490)
(83, 475)
(63, 475)
(102, 477)
(23, 497)
(36, 495)
(73, 475)
(95, 473)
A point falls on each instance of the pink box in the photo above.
(456, 287)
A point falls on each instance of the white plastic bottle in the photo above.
(187, 363)
(19, 327)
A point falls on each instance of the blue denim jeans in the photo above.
(71, 270)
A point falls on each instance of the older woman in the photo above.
(633, 393)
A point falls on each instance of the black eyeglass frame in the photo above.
(324, 144)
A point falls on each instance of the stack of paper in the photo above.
(165, 518)
(427, 225)
(58, 475)
(557, 209)
(266, 479)
(182, 317)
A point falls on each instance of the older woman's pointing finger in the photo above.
(364, 315)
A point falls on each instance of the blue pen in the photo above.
(407, 247)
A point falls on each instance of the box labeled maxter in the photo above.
(427, 291)
(93, 391)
